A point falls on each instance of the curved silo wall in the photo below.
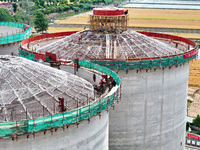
(15, 37)
(151, 115)
(91, 135)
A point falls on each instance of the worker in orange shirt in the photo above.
(80, 37)
(126, 12)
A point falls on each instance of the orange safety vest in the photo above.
(80, 36)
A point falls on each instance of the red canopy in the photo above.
(26, 27)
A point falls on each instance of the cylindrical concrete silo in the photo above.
(154, 72)
(30, 117)
(152, 112)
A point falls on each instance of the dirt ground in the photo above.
(194, 73)
(194, 104)
(167, 18)
(194, 88)
(61, 29)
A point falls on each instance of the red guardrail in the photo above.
(44, 36)
(187, 54)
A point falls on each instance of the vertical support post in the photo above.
(43, 111)
(61, 101)
(51, 125)
(77, 120)
(89, 115)
(16, 131)
(77, 62)
(87, 100)
(54, 108)
(26, 114)
(33, 128)
(63, 123)
(100, 109)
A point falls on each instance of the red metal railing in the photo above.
(187, 54)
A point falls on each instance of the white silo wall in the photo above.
(92, 136)
(151, 114)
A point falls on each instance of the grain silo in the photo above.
(154, 70)
(46, 108)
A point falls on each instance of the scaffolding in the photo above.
(37, 83)
(108, 24)
(30, 90)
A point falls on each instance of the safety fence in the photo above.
(154, 62)
(33, 56)
(46, 36)
(14, 129)
(16, 37)
(169, 37)
(144, 64)
(23, 52)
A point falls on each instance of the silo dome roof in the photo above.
(129, 44)
(31, 90)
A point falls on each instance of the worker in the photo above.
(126, 12)
(101, 85)
(84, 27)
(110, 82)
(110, 78)
(80, 37)
(59, 106)
(113, 82)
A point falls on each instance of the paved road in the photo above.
(188, 147)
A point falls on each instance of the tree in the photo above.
(14, 5)
(42, 2)
(22, 17)
(196, 121)
(5, 15)
(40, 22)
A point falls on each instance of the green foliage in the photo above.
(5, 15)
(14, 5)
(106, 2)
(24, 5)
(187, 126)
(196, 121)
(42, 2)
(198, 132)
(76, 9)
(22, 17)
(40, 22)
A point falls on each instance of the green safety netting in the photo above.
(26, 54)
(30, 56)
(16, 37)
(143, 64)
(10, 129)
